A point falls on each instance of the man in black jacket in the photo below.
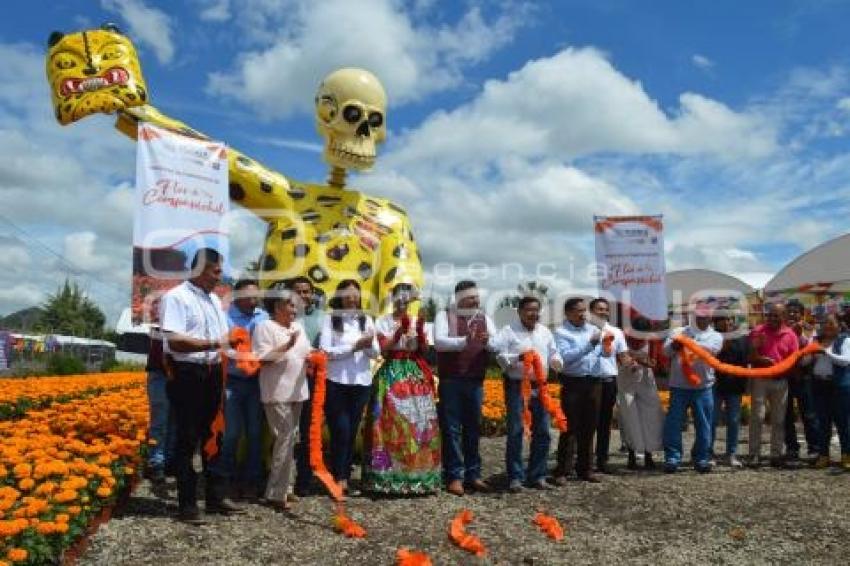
(728, 389)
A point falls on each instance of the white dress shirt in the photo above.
(345, 366)
(189, 310)
(515, 339)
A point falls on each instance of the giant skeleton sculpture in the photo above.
(326, 232)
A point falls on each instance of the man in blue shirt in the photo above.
(242, 407)
(579, 344)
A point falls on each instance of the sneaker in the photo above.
(821, 463)
(479, 486)
(670, 468)
(734, 462)
(515, 486)
(704, 468)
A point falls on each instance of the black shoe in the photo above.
(632, 465)
(223, 507)
(191, 516)
(792, 454)
(589, 478)
(155, 475)
(602, 468)
(303, 491)
(703, 469)
(648, 462)
(670, 468)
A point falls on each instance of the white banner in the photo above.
(630, 258)
(181, 203)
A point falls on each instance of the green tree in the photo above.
(70, 311)
(528, 289)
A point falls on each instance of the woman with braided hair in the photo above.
(402, 436)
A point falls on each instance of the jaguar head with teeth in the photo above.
(351, 110)
(93, 71)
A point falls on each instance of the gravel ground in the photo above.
(762, 516)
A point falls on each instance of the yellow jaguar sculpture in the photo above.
(326, 232)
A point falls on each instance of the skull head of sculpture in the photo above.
(351, 115)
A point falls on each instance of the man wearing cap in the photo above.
(684, 394)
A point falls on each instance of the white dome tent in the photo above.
(686, 286)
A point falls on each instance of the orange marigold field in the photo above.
(17, 396)
(61, 466)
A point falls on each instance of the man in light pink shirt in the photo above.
(771, 342)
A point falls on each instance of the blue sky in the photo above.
(731, 118)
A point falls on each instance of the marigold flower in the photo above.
(65, 496)
(17, 554)
(26, 484)
(103, 492)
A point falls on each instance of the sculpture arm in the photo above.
(266, 193)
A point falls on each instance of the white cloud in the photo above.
(315, 38)
(215, 10)
(702, 62)
(149, 26)
(80, 251)
(576, 103)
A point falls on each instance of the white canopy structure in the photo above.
(823, 269)
(687, 286)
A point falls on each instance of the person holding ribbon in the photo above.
(684, 393)
(526, 333)
(402, 436)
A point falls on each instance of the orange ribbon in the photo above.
(532, 368)
(549, 525)
(407, 557)
(465, 540)
(213, 443)
(319, 361)
(245, 358)
(691, 351)
(346, 525)
(607, 343)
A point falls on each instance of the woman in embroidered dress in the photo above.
(402, 435)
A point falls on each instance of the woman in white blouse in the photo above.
(831, 389)
(282, 348)
(348, 338)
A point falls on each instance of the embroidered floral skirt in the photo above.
(402, 435)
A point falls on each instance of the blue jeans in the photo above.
(344, 406)
(832, 404)
(163, 427)
(242, 411)
(800, 391)
(460, 409)
(731, 403)
(701, 402)
(539, 435)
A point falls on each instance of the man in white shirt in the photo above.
(522, 335)
(194, 331)
(697, 396)
(606, 369)
(462, 334)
